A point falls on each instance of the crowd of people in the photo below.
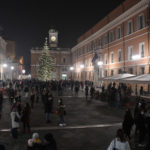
(35, 92)
(138, 123)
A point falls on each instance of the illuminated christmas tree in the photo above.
(45, 69)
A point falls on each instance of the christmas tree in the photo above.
(45, 70)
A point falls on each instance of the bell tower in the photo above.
(53, 38)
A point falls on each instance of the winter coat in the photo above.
(35, 146)
(48, 105)
(26, 115)
(127, 123)
(50, 145)
(141, 122)
(116, 143)
(13, 122)
(86, 90)
(61, 110)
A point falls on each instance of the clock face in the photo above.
(53, 38)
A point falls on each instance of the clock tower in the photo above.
(53, 38)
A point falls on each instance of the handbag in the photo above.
(16, 118)
(57, 112)
(115, 145)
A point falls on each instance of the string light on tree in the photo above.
(45, 69)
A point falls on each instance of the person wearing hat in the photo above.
(34, 143)
(49, 142)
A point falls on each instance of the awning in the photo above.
(118, 77)
(141, 79)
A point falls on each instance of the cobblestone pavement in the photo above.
(90, 125)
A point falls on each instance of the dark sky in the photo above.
(27, 21)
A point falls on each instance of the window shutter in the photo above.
(117, 33)
(127, 28)
(143, 20)
(120, 32)
(132, 26)
(137, 22)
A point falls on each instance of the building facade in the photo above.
(61, 57)
(11, 50)
(121, 41)
(3, 44)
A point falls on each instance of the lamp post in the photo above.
(5, 65)
(12, 68)
(99, 63)
(71, 69)
(23, 71)
(82, 67)
(136, 57)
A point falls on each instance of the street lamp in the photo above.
(99, 63)
(82, 71)
(71, 68)
(23, 71)
(82, 66)
(12, 67)
(136, 57)
(5, 65)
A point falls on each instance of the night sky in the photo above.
(27, 21)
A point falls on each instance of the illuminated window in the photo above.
(111, 57)
(142, 49)
(119, 55)
(129, 27)
(106, 59)
(112, 72)
(100, 43)
(142, 70)
(130, 52)
(106, 39)
(118, 33)
(140, 22)
(111, 36)
(64, 60)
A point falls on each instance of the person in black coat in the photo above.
(86, 92)
(92, 90)
(148, 131)
(49, 142)
(127, 123)
(48, 107)
(141, 126)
